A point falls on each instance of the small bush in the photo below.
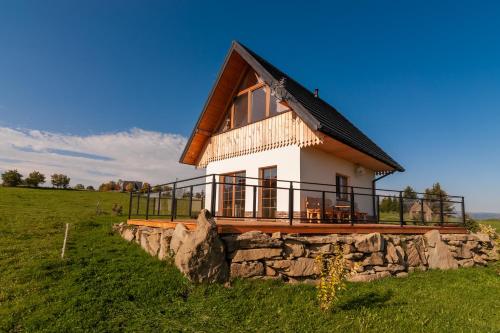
(488, 230)
(471, 224)
(117, 209)
(332, 276)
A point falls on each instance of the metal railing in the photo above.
(242, 198)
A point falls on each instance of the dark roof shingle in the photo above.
(331, 122)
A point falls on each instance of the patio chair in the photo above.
(313, 209)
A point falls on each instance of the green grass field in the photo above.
(107, 284)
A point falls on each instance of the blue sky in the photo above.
(422, 80)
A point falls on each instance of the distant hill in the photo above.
(484, 216)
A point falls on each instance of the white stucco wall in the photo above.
(320, 167)
(293, 163)
(287, 161)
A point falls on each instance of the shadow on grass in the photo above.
(367, 300)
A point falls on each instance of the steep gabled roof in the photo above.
(317, 113)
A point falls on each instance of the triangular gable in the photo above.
(316, 113)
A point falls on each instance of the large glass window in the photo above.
(342, 188)
(240, 111)
(268, 192)
(258, 104)
(233, 194)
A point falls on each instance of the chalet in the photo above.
(279, 158)
(261, 126)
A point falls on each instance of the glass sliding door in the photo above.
(233, 194)
(268, 192)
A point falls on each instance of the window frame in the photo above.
(222, 180)
(345, 195)
(261, 190)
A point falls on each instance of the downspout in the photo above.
(374, 190)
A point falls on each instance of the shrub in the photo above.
(79, 187)
(332, 276)
(488, 230)
(117, 209)
(471, 224)
(12, 178)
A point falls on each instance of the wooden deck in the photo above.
(227, 226)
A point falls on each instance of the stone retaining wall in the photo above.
(291, 257)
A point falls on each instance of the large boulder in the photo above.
(128, 233)
(300, 267)
(415, 252)
(150, 241)
(250, 240)
(201, 256)
(256, 254)
(178, 237)
(165, 239)
(440, 256)
(395, 254)
(373, 242)
(247, 269)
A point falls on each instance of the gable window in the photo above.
(240, 115)
(341, 182)
(258, 104)
(253, 103)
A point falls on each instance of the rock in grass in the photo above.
(201, 256)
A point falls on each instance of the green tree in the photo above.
(145, 187)
(12, 178)
(35, 178)
(90, 188)
(409, 193)
(130, 187)
(60, 180)
(434, 194)
(79, 187)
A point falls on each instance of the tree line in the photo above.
(12, 178)
(431, 197)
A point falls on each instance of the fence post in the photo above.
(159, 202)
(464, 219)
(254, 202)
(323, 202)
(147, 203)
(190, 210)
(441, 210)
(172, 204)
(290, 204)
(401, 209)
(212, 202)
(352, 206)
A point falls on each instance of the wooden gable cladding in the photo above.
(220, 97)
(282, 130)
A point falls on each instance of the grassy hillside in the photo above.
(107, 284)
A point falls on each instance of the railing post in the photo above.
(147, 203)
(352, 206)
(463, 211)
(172, 204)
(422, 215)
(212, 202)
(254, 202)
(378, 209)
(130, 206)
(441, 210)
(290, 204)
(401, 209)
(138, 201)
(159, 202)
(190, 208)
(323, 208)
